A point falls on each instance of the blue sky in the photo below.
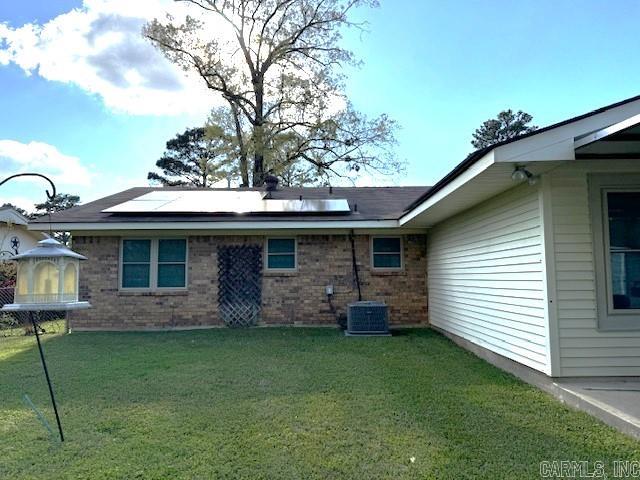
(438, 68)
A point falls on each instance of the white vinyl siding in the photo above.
(585, 350)
(486, 277)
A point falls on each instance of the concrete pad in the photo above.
(619, 397)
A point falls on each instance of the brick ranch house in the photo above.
(132, 287)
(529, 249)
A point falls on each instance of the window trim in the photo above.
(153, 266)
(295, 254)
(372, 253)
(609, 319)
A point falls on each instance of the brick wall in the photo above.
(287, 298)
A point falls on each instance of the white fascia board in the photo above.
(293, 225)
(557, 144)
(259, 233)
(560, 143)
(473, 171)
(605, 132)
(560, 150)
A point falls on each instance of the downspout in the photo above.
(355, 264)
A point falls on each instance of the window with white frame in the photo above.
(616, 224)
(281, 254)
(159, 263)
(386, 253)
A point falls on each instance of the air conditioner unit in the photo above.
(367, 318)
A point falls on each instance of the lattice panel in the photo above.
(240, 284)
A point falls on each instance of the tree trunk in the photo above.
(258, 134)
(244, 168)
(258, 169)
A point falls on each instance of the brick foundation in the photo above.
(287, 298)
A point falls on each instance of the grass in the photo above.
(281, 403)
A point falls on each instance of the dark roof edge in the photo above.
(478, 154)
(52, 217)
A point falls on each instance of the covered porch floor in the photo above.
(615, 400)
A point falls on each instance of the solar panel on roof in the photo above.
(336, 205)
(224, 201)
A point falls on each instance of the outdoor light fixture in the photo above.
(520, 174)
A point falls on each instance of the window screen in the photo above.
(136, 263)
(281, 253)
(172, 258)
(387, 252)
(154, 263)
(623, 212)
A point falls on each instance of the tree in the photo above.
(297, 175)
(505, 126)
(279, 71)
(195, 157)
(8, 272)
(21, 211)
(62, 201)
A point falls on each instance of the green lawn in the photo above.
(281, 403)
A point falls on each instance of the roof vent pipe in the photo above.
(330, 190)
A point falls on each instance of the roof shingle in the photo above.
(373, 203)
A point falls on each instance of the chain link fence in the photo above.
(18, 323)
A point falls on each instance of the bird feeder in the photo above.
(47, 279)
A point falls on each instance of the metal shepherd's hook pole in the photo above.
(50, 195)
(46, 374)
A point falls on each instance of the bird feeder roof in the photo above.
(49, 247)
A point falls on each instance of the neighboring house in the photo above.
(14, 236)
(532, 251)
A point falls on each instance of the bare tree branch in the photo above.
(281, 75)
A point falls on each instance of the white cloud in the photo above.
(99, 48)
(22, 202)
(67, 172)
(42, 158)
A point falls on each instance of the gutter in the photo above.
(321, 225)
(458, 170)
